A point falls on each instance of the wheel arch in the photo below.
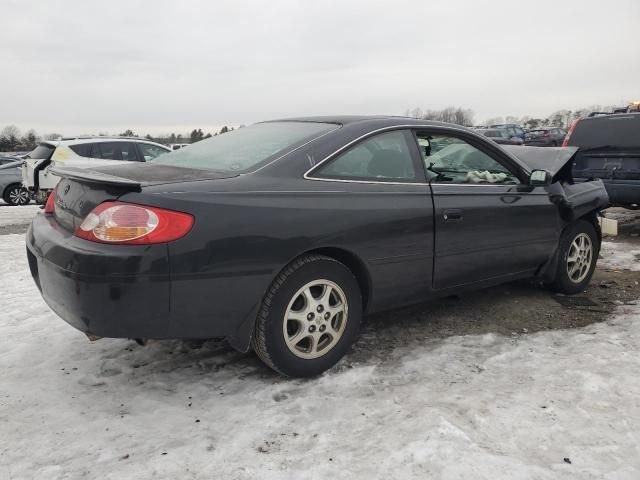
(8, 186)
(241, 339)
(353, 263)
(546, 272)
(592, 218)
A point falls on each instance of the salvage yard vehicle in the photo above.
(281, 235)
(545, 137)
(501, 136)
(11, 189)
(609, 149)
(81, 152)
(513, 129)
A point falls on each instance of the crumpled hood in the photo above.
(551, 159)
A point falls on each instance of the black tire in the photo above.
(269, 339)
(563, 283)
(554, 144)
(16, 195)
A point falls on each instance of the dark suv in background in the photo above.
(609, 148)
(500, 136)
(513, 129)
(545, 137)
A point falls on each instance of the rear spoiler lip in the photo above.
(89, 176)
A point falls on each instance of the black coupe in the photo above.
(281, 235)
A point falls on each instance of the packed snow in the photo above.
(466, 407)
(16, 215)
(620, 256)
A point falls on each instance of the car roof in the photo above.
(610, 116)
(385, 120)
(99, 139)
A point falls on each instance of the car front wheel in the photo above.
(309, 317)
(16, 195)
(577, 255)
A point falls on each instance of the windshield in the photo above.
(243, 149)
(41, 152)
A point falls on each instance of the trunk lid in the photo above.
(80, 190)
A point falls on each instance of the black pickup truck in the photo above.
(609, 149)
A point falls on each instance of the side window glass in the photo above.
(82, 149)
(107, 151)
(453, 160)
(128, 152)
(384, 157)
(149, 152)
(114, 151)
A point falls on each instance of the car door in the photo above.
(378, 187)
(489, 223)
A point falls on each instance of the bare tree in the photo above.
(9, 138)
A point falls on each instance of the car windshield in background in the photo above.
(492, 133)
(243, 149)
(42, 151)
(622, 131)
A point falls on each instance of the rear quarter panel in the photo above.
(240, 241)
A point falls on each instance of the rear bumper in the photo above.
(102, 290)
(123, 291)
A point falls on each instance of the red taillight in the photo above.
(49, 206)
(565, 142)
(131, 224)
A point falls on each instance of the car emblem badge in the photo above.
(66, 189)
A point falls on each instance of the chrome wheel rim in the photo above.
(579, 258)
(18, 196)
(315, 319)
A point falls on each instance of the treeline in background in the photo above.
(12, 139)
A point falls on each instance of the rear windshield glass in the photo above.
(537, 133)
(243, 149)
(42, 151)
(614, 130)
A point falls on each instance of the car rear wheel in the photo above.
(577, 255)
(309, 317)
(16, 195)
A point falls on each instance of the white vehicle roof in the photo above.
(81, 140)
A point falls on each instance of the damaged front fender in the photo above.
(573, 200)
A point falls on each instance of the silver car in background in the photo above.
(11, 188)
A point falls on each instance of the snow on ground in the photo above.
(468, 407)
(619, 256)
(16, 215)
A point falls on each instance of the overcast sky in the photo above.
(103, 66)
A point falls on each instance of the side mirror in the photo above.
(540, 178)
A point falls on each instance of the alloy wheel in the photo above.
(18, 196)
(579, 258)
(315, 319)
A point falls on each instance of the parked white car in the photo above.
(81, 152)
(178, 146)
